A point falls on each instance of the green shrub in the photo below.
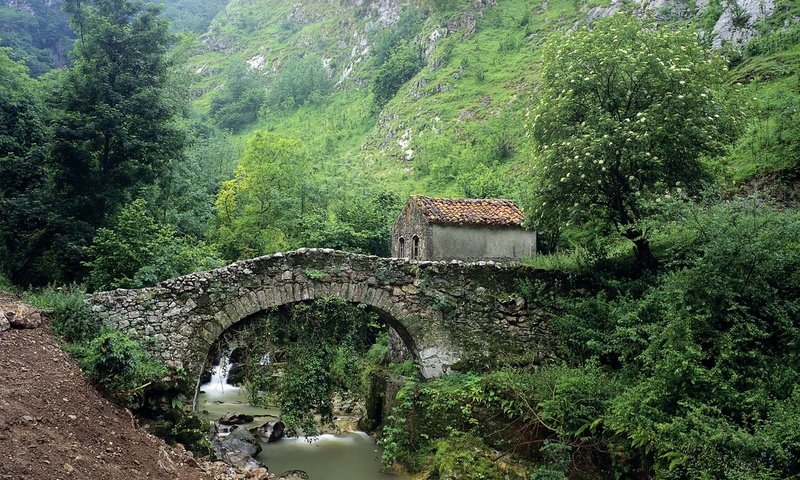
(137, 251)
(238, 101)
(405, 29)
(300, 80)
(175, 425)
(120, 366)
(72, 318)
(6, 285)
(465, 457)
(403, 63)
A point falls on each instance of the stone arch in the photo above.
(251, 303)
(255, 302)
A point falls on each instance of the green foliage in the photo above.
(300, 80)
(602, 153)
(37, 33)
(314, 274)
(405, 29)
(771, 139)
(184, 195)
(704, 351)
(136, 251)
(238, 101)
(72, 318)
(404, 61)
(557, 459)
(24, 205)
(119, 365)
(176, 425)
(192, 15)
(321, 348)
(113, 130)
(463, 456)
(509, 409)
(357, 221)
(267, 194)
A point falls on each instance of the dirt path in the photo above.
(55, 425)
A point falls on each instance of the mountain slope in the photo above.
(457, 126)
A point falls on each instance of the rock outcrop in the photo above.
(15, 314)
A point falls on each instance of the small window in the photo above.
(401, 249)
(415, 247)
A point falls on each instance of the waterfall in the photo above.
(219, 377)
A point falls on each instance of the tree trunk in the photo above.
(645, 260)
(644, 256)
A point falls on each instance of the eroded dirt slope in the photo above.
(55, 425)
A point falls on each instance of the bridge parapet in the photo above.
(441, 310)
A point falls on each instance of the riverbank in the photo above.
(55, 425)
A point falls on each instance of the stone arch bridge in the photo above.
(442, 310)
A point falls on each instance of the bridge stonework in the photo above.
(443, 311)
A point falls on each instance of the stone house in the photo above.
(461, 228)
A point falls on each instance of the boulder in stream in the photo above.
(270, 431)
(237, 449)
(243, 462)
(241, 441)
(235, 374)
(235, 419)
(293, 475)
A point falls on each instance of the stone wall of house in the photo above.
(410, 223)
(442, 311)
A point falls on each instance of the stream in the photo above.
(350, 456)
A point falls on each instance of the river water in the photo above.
(351, 456)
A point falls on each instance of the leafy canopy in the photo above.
(266, 194)
(116, 129)
(627, 111)
(136, 251)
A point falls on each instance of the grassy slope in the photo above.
(472, 94)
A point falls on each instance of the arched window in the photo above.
(415, 247)
(401, 249)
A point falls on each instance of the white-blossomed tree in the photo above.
(628, 111)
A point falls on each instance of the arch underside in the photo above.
(432, 359)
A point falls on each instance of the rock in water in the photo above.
(278, 431)
(293, 475)
(270, 431)
(241, 441)
(236, 374)
(235, 419)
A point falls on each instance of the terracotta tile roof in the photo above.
(470, 211)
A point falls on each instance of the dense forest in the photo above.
(654, 146)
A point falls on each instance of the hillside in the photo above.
(457, 126)
(54, 424)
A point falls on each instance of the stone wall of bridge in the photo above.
(441, 310)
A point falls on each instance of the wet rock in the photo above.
(270, 431)
(236, 374)
(293, 475)
(235, 419)
(241, 441)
